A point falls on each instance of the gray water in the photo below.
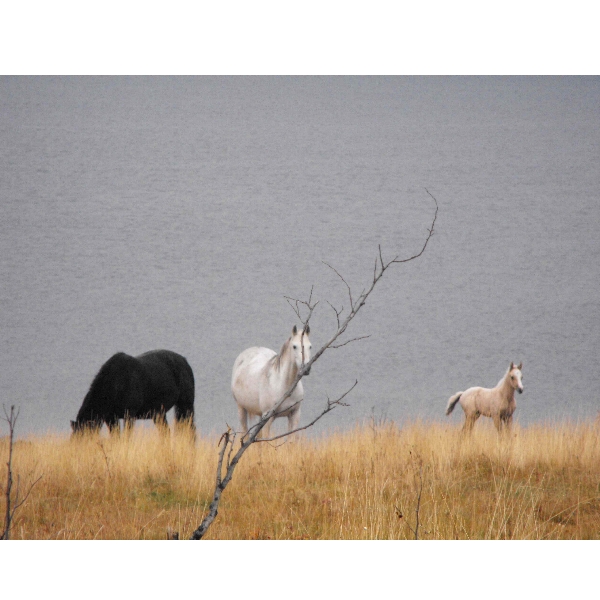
(142, 213)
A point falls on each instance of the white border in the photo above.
(309, 37)
(324, 569)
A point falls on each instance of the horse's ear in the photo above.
(512, 366)
(307, 329)
(295, 330)
(520, 367)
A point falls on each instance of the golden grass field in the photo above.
(541, 482)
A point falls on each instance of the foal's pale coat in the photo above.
(497, 403)
(261, 377)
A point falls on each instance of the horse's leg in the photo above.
(128, 423)
(467, 426)
(505, 424)
(243, 414)
(184, 420)
(508, 423)
(113, 426)
(266, 430)
(470, 422)
(293, 419)
(498, 422)
(160, 420)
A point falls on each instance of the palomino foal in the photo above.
(260, 378)
(497, 403)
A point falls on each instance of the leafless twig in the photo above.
(417, 462)
(101, 445)
(418, 507)
(331, 404)
(345, 282)
(307, 303)
(362, 337)
(11, 419)
(251, 436)
(337, 312)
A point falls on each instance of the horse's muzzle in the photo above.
(520, 390)
(307, 371)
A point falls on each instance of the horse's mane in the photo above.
(276, 360)
(503, 378)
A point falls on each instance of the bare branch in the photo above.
(11, 419)
(251, 435)
(310, 295)
(337, 312)
(224, 437)
(231, 445)
(26, 495)
(331, 404)
(101, 445)
(296, 307)
(349, 290)
(416, 462)
(429, 236)
(362, 337)
(419, 500)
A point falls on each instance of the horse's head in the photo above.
(516, 377)
(301, 346)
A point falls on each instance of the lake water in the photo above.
(142, 213)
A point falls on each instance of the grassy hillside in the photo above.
(543, 482)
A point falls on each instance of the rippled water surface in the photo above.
(141, 213)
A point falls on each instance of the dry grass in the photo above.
(541, 483)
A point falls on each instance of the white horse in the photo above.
(497, 403)
(261, 377)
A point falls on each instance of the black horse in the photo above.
(141, 387)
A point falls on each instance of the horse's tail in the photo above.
(452, 402)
